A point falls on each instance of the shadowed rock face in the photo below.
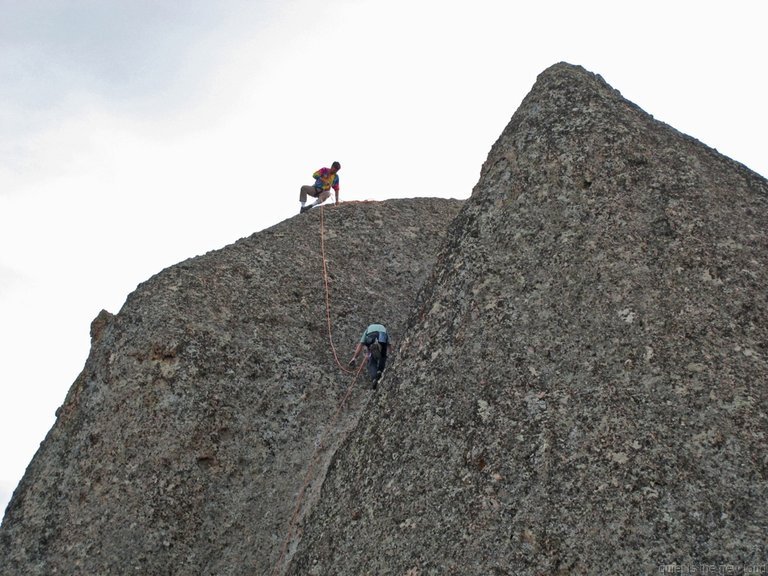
(584, 388)
(182, 446)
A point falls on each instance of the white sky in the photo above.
(137, 133)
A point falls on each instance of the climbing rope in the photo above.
(292, 525)
(328, 292)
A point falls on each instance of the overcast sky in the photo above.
(137, 133)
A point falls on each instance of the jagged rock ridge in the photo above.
(182, 445)
(585, 387)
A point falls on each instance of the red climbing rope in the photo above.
(328, 293)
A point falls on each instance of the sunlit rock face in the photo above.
(583, 388)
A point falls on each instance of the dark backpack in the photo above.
(375, 349)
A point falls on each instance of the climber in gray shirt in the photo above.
(376, 341)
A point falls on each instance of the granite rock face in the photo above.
(584, 388)
(205, 405)
(579, 381)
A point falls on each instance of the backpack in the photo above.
(375, 349)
